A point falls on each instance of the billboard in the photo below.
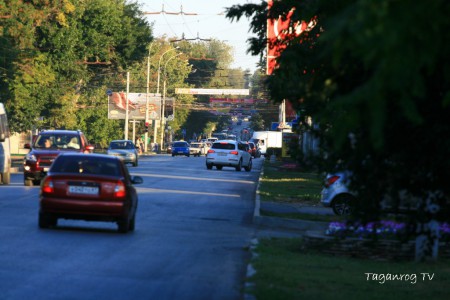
(117, 102)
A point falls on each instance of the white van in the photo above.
(5, 148)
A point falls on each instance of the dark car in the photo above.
(125, 150)
(46, 147)
(180, 148)
(91, 187)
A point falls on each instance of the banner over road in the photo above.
(190, 91)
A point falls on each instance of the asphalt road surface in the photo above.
(193, 230)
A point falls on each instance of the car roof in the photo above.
(226, 141)
(99, 155)
(120, 141)
(51, 131)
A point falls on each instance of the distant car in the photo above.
(125, 150)
(92, 187)
(180, 148)
(229, 153)
(254, 150)
(198, 148)
(46, 147)
(169, 148)
(337, 195)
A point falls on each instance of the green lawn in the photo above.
(286, 271)
(284, 185)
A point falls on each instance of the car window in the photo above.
(85, 165)
(180, 144)
(224, 146)
(57, 140)
(243, 147)
(121, 145)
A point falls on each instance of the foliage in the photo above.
(379, 90)
(59, 51)
(257, 122)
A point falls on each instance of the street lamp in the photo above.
(147, 99)
(163, 121)
(159, 67)
(158, 81)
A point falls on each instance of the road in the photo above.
(193, 229)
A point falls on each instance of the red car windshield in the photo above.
(85, 164)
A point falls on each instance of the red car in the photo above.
(254, 150)
(46, 147)
(91, 187)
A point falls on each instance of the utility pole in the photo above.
(146, 123)
(163, 120)
(126, 106)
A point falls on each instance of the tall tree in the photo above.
(379, 90)
(62, 50)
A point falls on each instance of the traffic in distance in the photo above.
(79, 182)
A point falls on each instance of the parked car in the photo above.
(254, 150)
(180, 148)
(125, 150)
(92, 187)
(229, 153)
(337, 195)
(198, 148)
(46, 147)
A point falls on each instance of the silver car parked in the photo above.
(337, 195)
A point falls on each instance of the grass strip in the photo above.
(284, 270)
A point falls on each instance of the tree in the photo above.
(59, 50)
(257, 122)
(380, 93)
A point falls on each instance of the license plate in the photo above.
(85, 190)
(222, 154)
(46, 169)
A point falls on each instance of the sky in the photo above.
(209, 22)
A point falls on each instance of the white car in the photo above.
(229, 153)
(337, 195)
(198, 148)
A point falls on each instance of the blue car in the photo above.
(180, 148)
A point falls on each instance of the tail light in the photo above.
(47, 186)
(234, 152)
(210, 151)
(331, 180)
(119, 190)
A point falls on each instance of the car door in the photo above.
(243, 149)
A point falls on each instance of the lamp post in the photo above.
(163, 121)
(147, 99)
(126, 106)
(158, 81)
(159, 67)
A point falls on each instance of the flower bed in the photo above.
(380, 241)
(380, 230)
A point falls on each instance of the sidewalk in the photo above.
(17, 164)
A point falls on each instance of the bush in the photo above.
(276, 151)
